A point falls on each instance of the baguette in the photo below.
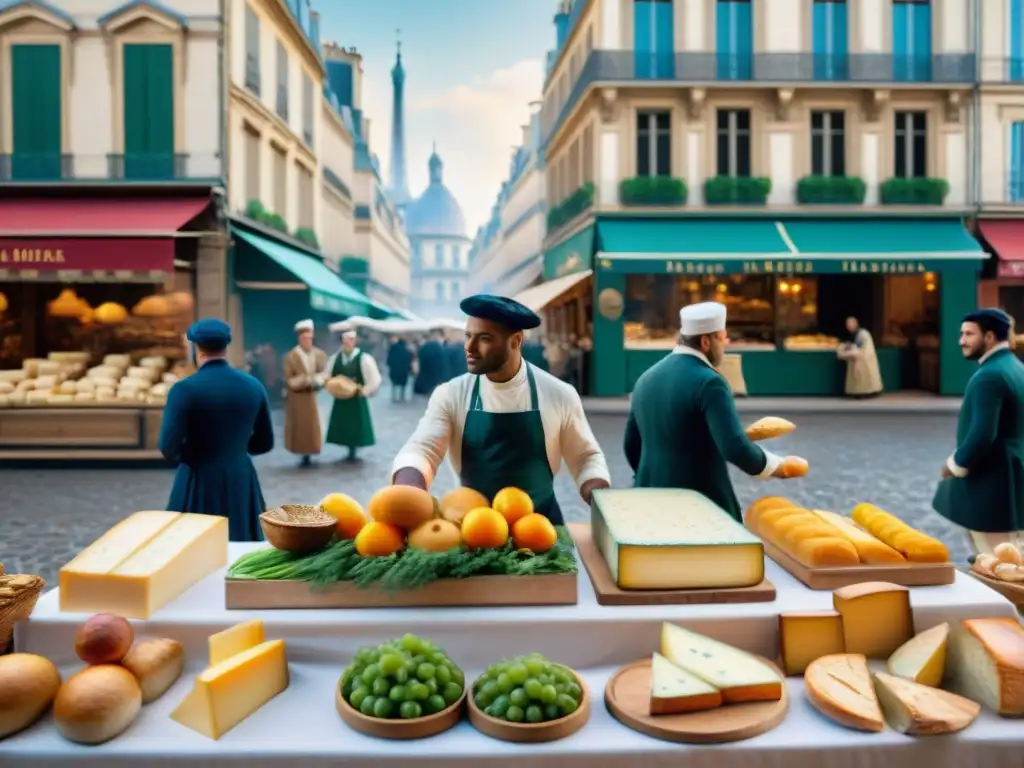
(763, 505)
(805, 538)
(909, 542)
(871, 551)
(768, 428)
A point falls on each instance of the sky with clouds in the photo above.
(472, 69)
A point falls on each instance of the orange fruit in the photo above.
(379, 539)
(455, 504)
(484, 528)
(512, 504)
(347, 511)
(534, 532)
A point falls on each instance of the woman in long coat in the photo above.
(863, 376)
(304, 374)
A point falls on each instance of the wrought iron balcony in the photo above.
(155, 167)
(762, 68)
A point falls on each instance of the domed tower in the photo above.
(399, 182)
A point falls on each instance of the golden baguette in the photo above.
(870, 550)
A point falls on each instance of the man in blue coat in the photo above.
(982, 488)
(213, 421)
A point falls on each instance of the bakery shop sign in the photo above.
(31, 258)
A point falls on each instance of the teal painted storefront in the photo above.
(761, 246)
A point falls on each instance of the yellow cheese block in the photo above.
(143, 563)
(804, 637)
(229, 692)
(986, 663)
(235, 640)
(669, 538)
(870, 550)
(923, 657)
(876, 617)
(840, 688)
(918, 710)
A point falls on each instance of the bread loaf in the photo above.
(769, 427)
(6, 387)
(793, 466)
(156, 664)
(985, 663)
(870, 550)
(912, 544)
(28, 684)
(763, 505)
(806, 538)
(97, 704)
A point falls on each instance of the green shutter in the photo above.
(149, 112)
(36, 102)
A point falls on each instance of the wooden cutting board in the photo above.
(608, 593)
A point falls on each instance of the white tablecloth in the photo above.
(594, 640)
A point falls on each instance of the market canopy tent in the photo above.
(539, 296)
(1006, 238)
(397, 326)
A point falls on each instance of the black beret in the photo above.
(991, 319)
(501, 310)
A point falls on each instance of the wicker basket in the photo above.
(341, 387)
(18, 596)
(298, 528)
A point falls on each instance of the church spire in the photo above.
(399, 181)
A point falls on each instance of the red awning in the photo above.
(96, 217)
(1007, 240)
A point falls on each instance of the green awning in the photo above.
(327, 291)
(885, 239)
(574, 254)
(691, 238)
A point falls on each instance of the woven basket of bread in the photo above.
(18, 595)
(341, 387)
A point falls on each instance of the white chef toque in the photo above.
(349, 335)
(703, 318)
(303, 325)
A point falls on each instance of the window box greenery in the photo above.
(652, 190)
(307, 236)
(830, 190)
(571, 207)
(915, 191)
(737, 190)
(256, 211)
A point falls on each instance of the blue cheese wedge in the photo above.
(675, 691)
(670, 538)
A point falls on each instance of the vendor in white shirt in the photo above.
(505, 423)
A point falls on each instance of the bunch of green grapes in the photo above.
(527, 689)
(407, 677)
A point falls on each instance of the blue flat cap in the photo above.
(501, 310)
(210, 333)
(990, 319)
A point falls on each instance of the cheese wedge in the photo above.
(143, 563)
(923, 657)
(675, 691)
(986, 663)
(918, 710)
(869, 549)
(840, 688)
(234, 640)
(876, 617)
(737, 674)
(804, 637)
(227, 693)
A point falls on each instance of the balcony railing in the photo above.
(335, 181)
(55, 168)
(765, 68)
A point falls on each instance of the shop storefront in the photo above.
(1002, 280)
(789, 285)
(95, 298)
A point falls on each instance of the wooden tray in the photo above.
(1011, 591)
(628, 696)
(608, 593)
(533, 733)
(909, 575)
(476, 591)
(417, 728)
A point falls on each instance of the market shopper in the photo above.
(213, 422)
(504, 423)
(683, 429)
(982, 486)
(432, 364)
(351, 424)
(399, 362)
(863, 375)
(304, 375)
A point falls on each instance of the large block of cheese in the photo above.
(143, 563)
(986, 663)
(668, 538)
(227, 693)
(877, 618)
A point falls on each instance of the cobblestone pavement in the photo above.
(48, 515)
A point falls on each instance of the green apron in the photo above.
(350, 424)
(508, 449)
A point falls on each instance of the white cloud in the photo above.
(476, 126)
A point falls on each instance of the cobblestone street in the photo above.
(892, 460)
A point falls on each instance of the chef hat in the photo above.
(348, 334)
(703, 318)
(991, 319)
(303, 325)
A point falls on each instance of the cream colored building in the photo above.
(337, 159)
(511, 259)
(1001, 97)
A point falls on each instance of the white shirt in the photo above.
(367, 367)
(955, 469)
(772, 461)
(566, 431)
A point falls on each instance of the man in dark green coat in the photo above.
(683, 429)
(351, 424)
(982, 486)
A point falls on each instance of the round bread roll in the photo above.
(28, 684)
(97, 704)
(156, 664)
(1008, 553)
(6, 387)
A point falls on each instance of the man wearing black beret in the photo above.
(982, 486)
(505, 422)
